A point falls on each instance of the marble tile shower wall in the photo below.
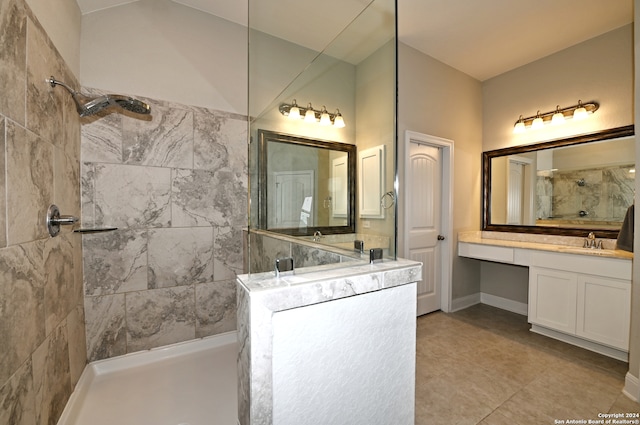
(175, 186)
(42, 334)
(603, 193)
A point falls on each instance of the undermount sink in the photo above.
(586, 251)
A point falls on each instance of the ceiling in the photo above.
(482, 38)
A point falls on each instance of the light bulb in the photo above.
(558, 117)
(310, 115)
(537, 122)
(294, 111)
(338, 121)
(519, 127)
(325, 119)
(580, 113)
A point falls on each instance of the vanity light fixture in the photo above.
(519, 127)
(294, 111)
(581, 112)
(558, 116)
(325, 119)
(537, 122)
(310, 115)
(338, 121)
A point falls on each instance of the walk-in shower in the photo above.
(90, 105)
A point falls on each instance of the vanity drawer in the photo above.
(499, 254)
(616, 268)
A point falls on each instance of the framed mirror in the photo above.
(562, 187)
(305, 185)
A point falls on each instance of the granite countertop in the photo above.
(561, 244)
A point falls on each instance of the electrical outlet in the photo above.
(366, 224)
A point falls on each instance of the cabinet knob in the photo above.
(440, 237)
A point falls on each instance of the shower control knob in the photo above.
(55, 220)
(440, 237)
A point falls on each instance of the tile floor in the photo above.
(482, 365)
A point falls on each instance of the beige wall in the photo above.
(61, 20)
(42, 333)
(600, 69)
(438, 100)
(152, 48)
(506, 281)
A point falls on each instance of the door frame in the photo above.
(446, 208)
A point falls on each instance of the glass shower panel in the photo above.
(343, 63)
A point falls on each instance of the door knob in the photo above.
(440, 237)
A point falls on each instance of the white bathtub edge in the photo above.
(72, 408)
(165, 352)
(131, 360)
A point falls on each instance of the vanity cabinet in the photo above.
(604, 310)
(553, 298)
(592, 307)
(582, 298)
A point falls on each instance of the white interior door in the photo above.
(423, 226)
(294, 193)
(515, 193)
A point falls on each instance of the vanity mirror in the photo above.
(562, 187)
(305, 185)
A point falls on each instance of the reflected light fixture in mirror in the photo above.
(558, 116)
(310, 115)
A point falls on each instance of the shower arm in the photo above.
(53, 82)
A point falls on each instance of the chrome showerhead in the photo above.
(87, 105)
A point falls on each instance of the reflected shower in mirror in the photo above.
(305, 185)
(565, 187)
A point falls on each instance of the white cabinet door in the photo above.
(604, 310)
(552, 299)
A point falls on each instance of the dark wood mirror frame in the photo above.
(613, 133)
(264, 137)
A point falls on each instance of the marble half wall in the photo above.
(42, 334)
(175, 186)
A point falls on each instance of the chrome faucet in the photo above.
(592, 242)
(317, 235)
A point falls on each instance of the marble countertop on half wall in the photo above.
(312, 285)
(561, 244)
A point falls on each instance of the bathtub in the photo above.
(189, 383)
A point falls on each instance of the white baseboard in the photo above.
(631, 387)
(465, 302)
(589, 345)
(504, 303)
(488, 299)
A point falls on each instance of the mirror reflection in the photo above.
(307, 185)
(582, 183)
